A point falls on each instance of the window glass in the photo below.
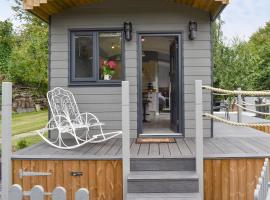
(110, 56)
(84, 57)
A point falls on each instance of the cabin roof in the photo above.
(46, 8)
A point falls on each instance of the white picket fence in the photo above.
(37, 193)
(261, 191)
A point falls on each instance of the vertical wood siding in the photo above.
(231, 179)
(102, 178)
(150, 15)
(224, 179)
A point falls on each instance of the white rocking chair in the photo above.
(68, 121)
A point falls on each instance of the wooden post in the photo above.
(239, 110)
(6, 138)
(125, 136)
(199, 134)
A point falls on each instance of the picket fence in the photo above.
(261, 191)
(37, 193)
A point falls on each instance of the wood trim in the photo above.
(46, 8)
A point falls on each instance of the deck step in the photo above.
(162, 164)
(163, 196)
(162, 182)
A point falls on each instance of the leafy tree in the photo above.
(6, 43)
(235, 65)
(260, 45)
(29, 59)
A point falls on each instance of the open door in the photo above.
(159, 94)
(173, 84)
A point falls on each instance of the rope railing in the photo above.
(240, 124)
(256, 105)
(250, 110)
(237, 92)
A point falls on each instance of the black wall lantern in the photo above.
(128, 30)
(193, 27)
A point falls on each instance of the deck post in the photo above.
(199, 134)
(239, 110)
(125, 136)
(6, 138)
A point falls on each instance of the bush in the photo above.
(22, 144)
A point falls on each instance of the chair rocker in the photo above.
(67, 121)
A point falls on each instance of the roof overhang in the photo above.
(45, 8)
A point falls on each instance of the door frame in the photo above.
(179, 35)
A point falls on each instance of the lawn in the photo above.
(25, 122)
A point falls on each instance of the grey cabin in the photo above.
(159, 46)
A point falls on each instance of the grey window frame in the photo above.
(72, 50)
(95, 80)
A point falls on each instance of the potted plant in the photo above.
(108, 69)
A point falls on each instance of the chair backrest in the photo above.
(62, 103)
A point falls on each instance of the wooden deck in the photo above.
(229, 142)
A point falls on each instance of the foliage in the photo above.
(6, 43)
(24, 52)
(260, 45)
(21, 144)
(29, 59)
(235, 65)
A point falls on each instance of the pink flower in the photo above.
(112, 64)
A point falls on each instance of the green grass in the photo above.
(28, 141)
(26, 122)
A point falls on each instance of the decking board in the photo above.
(213, 147)
(234, 144)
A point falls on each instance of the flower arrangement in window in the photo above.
(108, 69)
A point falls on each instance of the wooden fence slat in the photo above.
(233, 180)
(242, 179)
(82, 194)
(37, 193)
(225, 179)
(217, 179)
(208, 174)
(251, 181)
(59, 193)
(15, 192)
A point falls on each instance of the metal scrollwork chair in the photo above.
(68, 122)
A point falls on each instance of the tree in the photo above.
(260, 45)
(6, 44)
(28, 62)
(235, 65)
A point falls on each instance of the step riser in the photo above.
(163, 186)
(162, 164)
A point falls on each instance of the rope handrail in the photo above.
(235, 123)
(256, 105)
(250, 110)
(237, 92)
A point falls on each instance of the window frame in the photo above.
(95, 79)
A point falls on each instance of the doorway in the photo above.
(159, 88)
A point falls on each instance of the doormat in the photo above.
(155, 140)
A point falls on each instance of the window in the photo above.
(96, 57)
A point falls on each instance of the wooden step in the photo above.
(162, 164)
(163, 182)
(163, 196)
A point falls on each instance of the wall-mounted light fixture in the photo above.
(128, 30)
(193, 27)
